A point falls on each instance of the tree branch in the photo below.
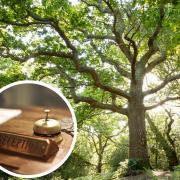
(135, 54)
(97, 104)
(104, 146)
(98, 83)
(162, 85)
(65, 38)
(55, 25)
(152, 47)
(36, 54)
(49, 21)
(162, 102)
(95, 36)
(23, 24)
(92, 102)
(169, 128)
(112, 62)
(37, 17)
(118, 29)
(118, 25)
(100, 37)
(85, 69)
(94, 142)
(80, 68)
(156, 62)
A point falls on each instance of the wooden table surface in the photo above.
(23, 124)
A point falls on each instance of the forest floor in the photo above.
(155, 175)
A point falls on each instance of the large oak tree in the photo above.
(101, 51)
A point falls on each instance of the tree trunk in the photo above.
(99, 165)
(156, 153)
(100, 154)
(137, 129)
(170, 152)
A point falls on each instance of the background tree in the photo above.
(168, 148)
(101, 47)
(98, 138)
(10, 71)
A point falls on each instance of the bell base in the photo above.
(55, 137)
(46, 135)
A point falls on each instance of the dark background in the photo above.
(25, 95)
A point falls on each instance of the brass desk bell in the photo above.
(46, 126)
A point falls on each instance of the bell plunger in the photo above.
(46, 126)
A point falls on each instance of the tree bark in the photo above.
(100, 154)
(156, 153)
(137, 128)
(99, 165)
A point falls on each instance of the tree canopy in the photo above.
(97, 46)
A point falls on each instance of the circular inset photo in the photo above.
(37, 129)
